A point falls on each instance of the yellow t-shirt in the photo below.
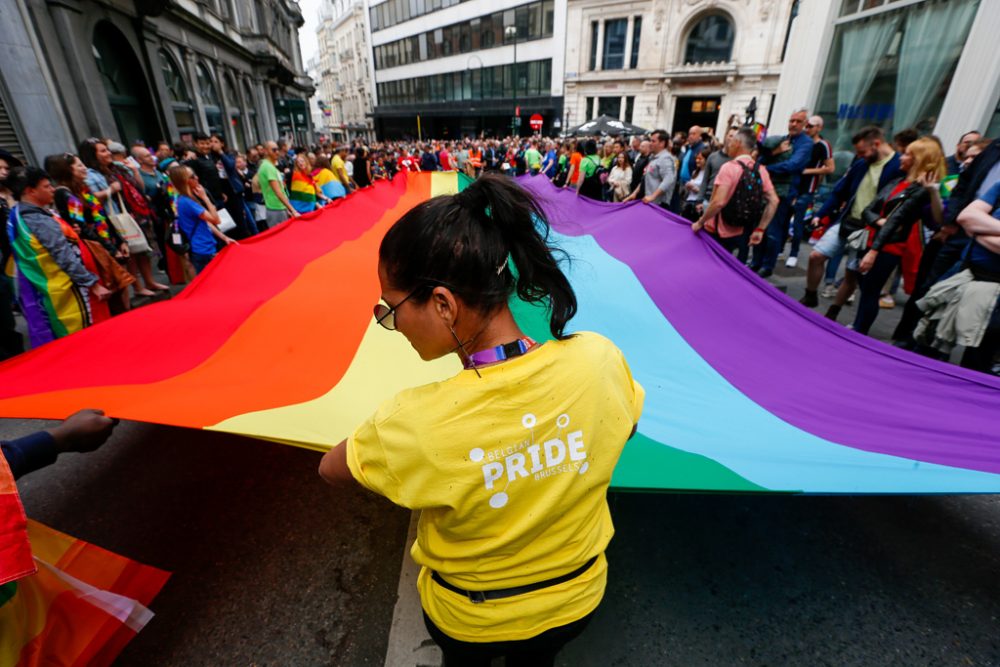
(510, 472)
(868, 187)
(339, 169)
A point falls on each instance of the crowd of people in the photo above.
(901, 213)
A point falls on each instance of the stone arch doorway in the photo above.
(125, 85)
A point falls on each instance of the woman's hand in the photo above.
(880, 222)
(123, 249)
(115, 187)
(928, 181)
(868, 261)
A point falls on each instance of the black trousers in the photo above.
(537, 651)
(11, 342)
(871, 285)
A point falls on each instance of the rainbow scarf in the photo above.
(53, 305)
(81, 607)
(737, 399)
(97, 216)
(303, 192)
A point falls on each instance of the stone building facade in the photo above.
(344, 83)
(674, 63)
(149, 69)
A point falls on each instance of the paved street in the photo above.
(272, 567)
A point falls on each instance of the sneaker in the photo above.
(829, 291)
(850, 299)
(886, 301)
(765, 273)
(792, 262)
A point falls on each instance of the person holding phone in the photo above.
(197, 217)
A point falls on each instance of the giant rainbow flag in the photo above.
(747, 391)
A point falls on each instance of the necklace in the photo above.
(499, 353)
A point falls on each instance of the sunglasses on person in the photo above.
(386, 315)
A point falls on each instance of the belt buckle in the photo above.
(477, 597)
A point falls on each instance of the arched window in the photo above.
(210, 100)
(711, 41)
(124, 83)
(180, 99)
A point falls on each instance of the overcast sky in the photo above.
(307, 33)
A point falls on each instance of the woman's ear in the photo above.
(445, 305)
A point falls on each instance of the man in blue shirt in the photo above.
(692, 148)
(785, 175)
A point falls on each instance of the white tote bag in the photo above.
(226, 222)
(128, 229)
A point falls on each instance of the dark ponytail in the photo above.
(485, 243)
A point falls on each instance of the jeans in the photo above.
(802, 204)
(871, 284)
(765, 255)
(537, 651)
(199, 262)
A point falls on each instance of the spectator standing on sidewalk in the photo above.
(736, 235)
(877, 164)
(272, 187)
(955, 160)
(895, 220)
(820, 165)
(58, 284)
(660, 174)
(785, 166)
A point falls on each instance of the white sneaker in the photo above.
(829, 291)
(792, 262)
(850, 299)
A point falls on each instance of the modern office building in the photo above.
(672, 64)
(927, 64)
(451, 68)
(149, 70)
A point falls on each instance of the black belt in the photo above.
(483, 596)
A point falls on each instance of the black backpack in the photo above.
(593, 185)
(747, 204)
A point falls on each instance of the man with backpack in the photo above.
(590, 184)
(743, 198)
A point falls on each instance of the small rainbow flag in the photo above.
(81, 608)
(15, 552)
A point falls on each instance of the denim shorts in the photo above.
(830, 244)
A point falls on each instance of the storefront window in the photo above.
(893, 69)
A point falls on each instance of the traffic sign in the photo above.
(536, 122)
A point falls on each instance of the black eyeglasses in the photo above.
(386, 316)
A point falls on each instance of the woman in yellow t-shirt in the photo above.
(509, 461)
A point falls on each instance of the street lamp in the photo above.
(511, 32)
